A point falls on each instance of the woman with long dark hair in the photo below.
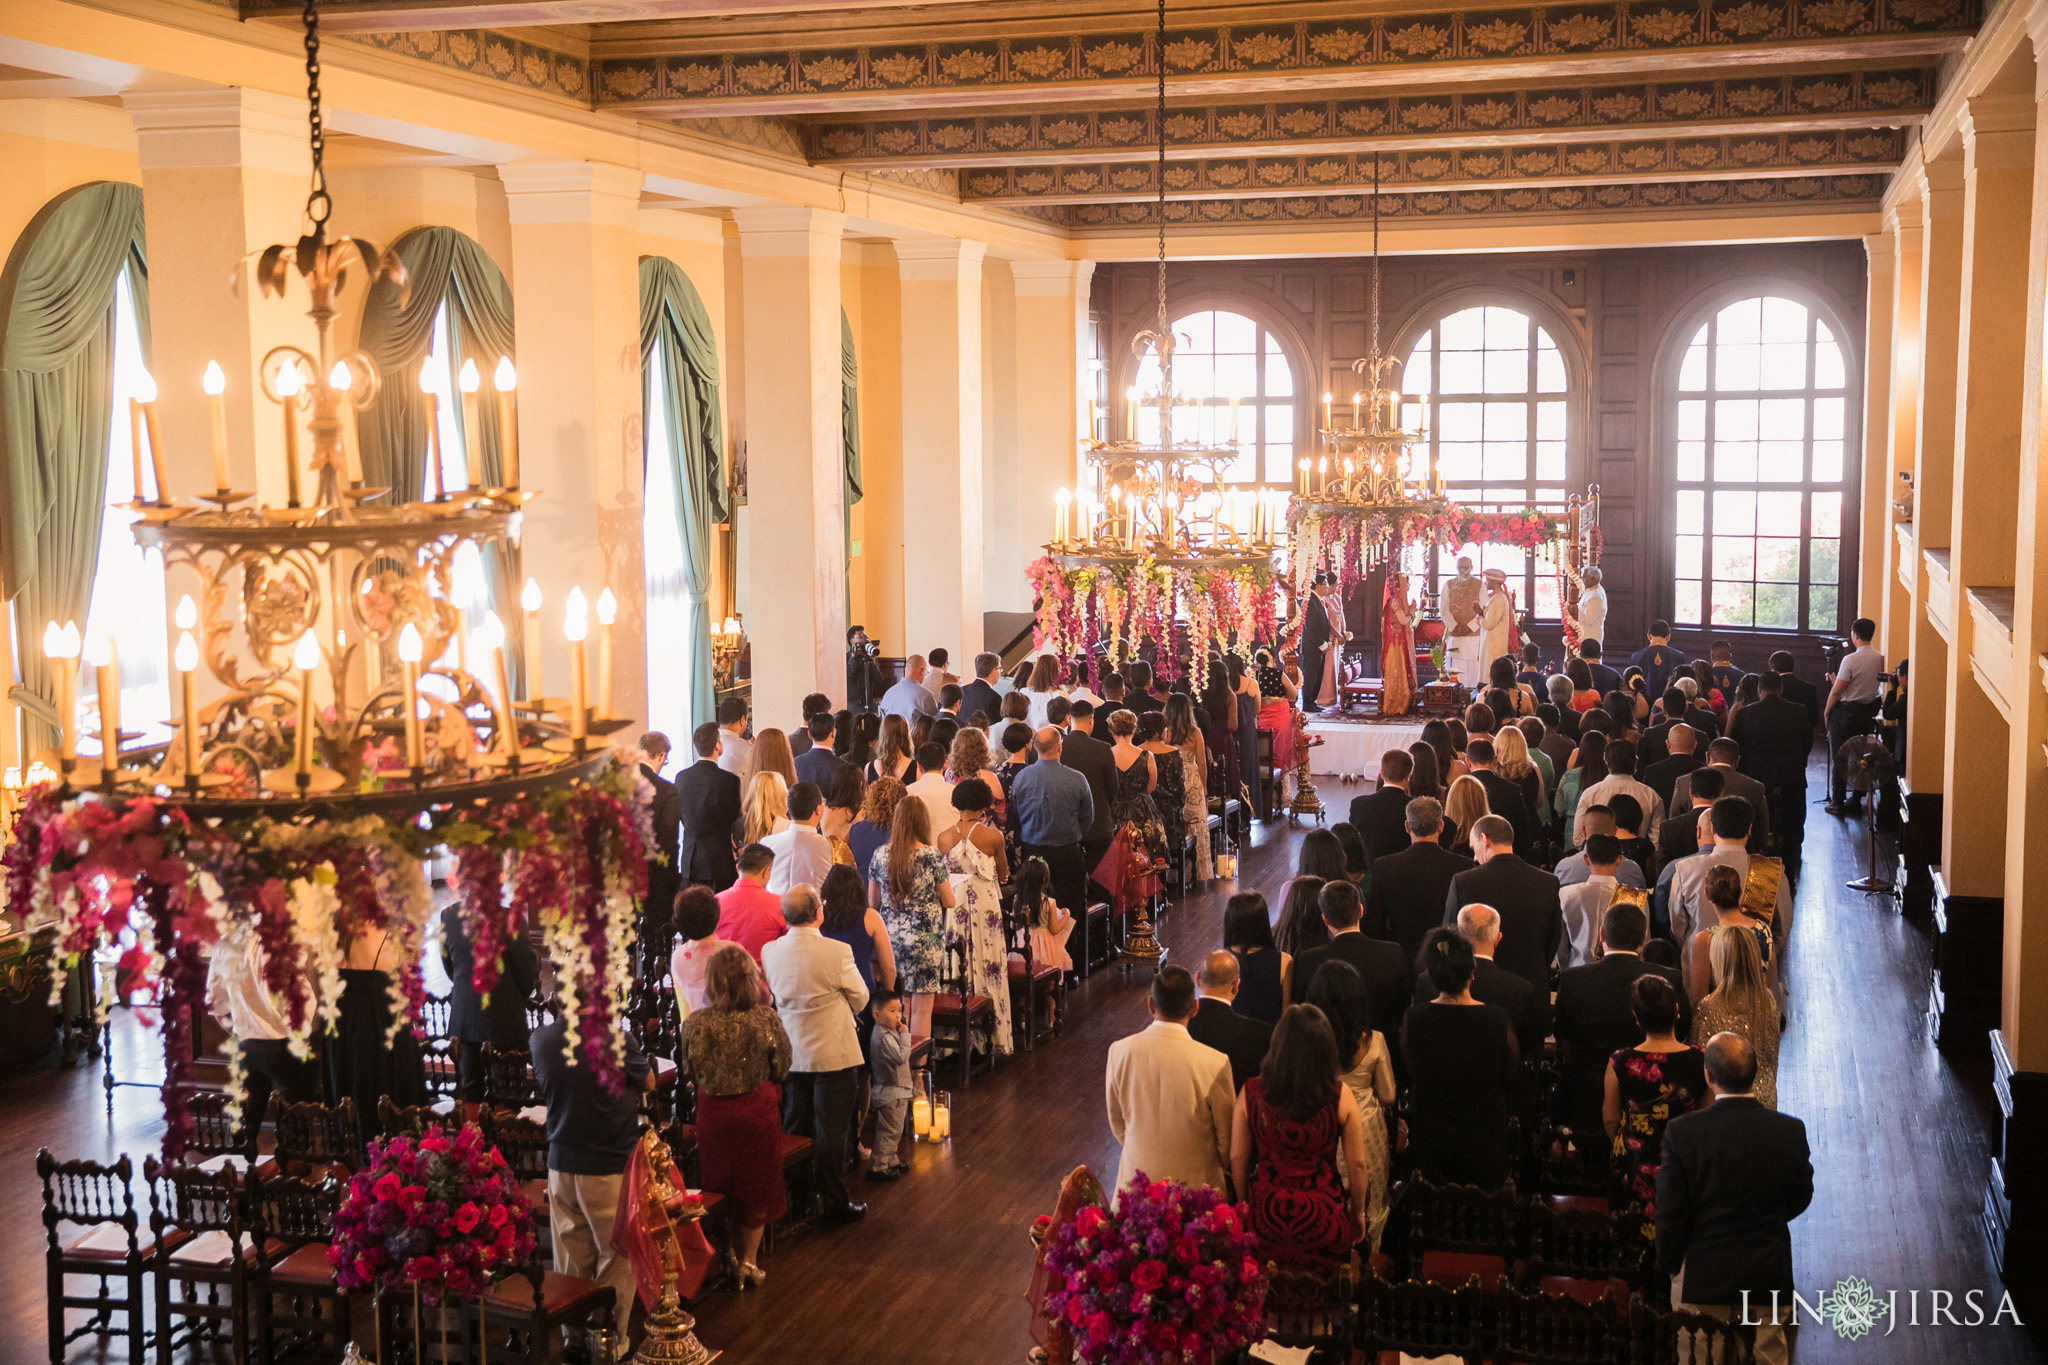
(1301, 925)
(1261, 967)
(867, 736)
(1426, 780)
(893, 754)
(1450, 759)
(1462, 1062)
(1588, 766)
(1290, 1122)
(1368, 1072)
(1322, 856)
(1185, 736)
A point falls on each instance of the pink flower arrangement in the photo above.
(441, 1211)
(1171, 1276)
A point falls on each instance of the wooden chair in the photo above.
(217, 1250)
(318, 1138)
(444, 1074)
(960, 1011)
(436, 1015)
(1318, 1312)
(524, 1145)
(1667, 1337)
(1455, 1232)
(534, 1304)
(1582, 1251)
(212, 1143)
(411, 1120)
(1536, 1328)
(292, 1219)
(1416, 1318)
(1030, 982)
(508, 1077)
(87, 1194)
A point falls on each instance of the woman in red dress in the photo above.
(1283, 1148)
(1397, 648)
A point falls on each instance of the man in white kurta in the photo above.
(1462, 638)
(1496, 626)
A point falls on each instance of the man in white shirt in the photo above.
(734, 746)
(1585, 903)
(933, 789)
(818, 991)
(1572, 870)
(1851, 709)
(238, 997)
(1689, 910)
(1592, 611)
(1170, 1098)
(1621, 766)
(907, 696)
(802, 855)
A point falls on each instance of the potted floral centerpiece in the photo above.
(1170, 1277)
(441, 1214)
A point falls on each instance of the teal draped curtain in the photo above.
(849, 429)
(56, 397)
(676, 340)
(442, 266)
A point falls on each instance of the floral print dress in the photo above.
(978, 913)
(915, 923)
(1656, 1087)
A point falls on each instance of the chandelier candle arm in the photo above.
(529, 603)
(103, 656)
(575, 627)
(494, 639)
(342, 381)
(288, 395)
(433, 426)
(410, 647)
(156, 445)
(505, 379)
(135, 438)
(216, 384)
(607, 612)
(305, 658)
(472, 426)
(186, 659)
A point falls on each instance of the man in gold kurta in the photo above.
(1497, 626)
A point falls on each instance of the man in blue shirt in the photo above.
(1605, 679)
(1054, 808)
(1658, 659)
(908, 697)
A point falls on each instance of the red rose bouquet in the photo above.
(1170, 1276)
(441, 1212)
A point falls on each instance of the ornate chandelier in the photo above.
(1166, 500)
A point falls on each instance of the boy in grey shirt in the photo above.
(889, 1053)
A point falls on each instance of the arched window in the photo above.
(1494, 383)
(1227, 364)
(1762, 411)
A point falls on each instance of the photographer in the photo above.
(865, 680)
(1851, 708)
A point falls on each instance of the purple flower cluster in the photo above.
(1172, 1276)
(442, 1212)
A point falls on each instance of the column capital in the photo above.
(789, 230)
(218, 127)
(938, 258)
(2037, 30)
(1941, 186)
(1880, 251)
(1903, 217)
(1039, 277)
(571, 192)
(1997, 131)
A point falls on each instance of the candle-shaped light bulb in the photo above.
(99, 651)
(53, 641)
(306, 656)
(186, 656)
(72, 640)
(504, 379)
(145, 387)
(470, 380)
(607, 608)
(529, 603)
(214, 384)
(576, 611)
(491, 634)
(472, 424)
(288, 386)
(215, 381)
(187, 614)
(288, 381)
(339, 379)
(529, 597)
(410, 646)
(607, 612)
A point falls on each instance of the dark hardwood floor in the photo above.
(937, 1271)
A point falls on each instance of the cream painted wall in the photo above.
(1003, 585)
(49, 146)
(872, 301)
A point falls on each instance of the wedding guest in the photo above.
(1261, 967)
(1688, 908)
(1585, 902)
(815, 704)
(1409, 887)
(1055, 811)
(865, 730)
(697, 915)
(1049, 924)
(1184, 735)
(1776, 735)
(1594, 1016)
(908, 697)
(1514, 760)
(1680, 836)
(931, 787)
(820, 764)
(1621, 780)
(891, 1085)
(764, 810)
(1742, 1004)
(1463, 1062)
(981, 697)
(1169, 783)
(735, 748)
(737, 1053)
(1136, 777)
(1450, 759)
(1505, 796)
(1301, 926)
(818, 990)
(1647, 1086)
(1043, 687)
(802, 855)
(1724, 897)
(1287, 1129)
(973, 850)
(1465, 805)
(658, 905)
(498, 1019)
(239, 997)
(1555, 742)
(1724, 756)
(1381, 966)
(847, 917)
(1367, 1069)
(707, 803)
(1170, 1098)
(591, 1135)
(1423, 778)
(877, 817)
(1572, 868)
(1217, 1023)
(894, 758)
(1584, 695)
(365, 1060)
(1380, 816)
(1357, 857)
(1492, 984)
(1322, 855)
(771, 754)
(1532, 920)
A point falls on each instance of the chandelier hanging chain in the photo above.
(1166, 355)
(1375, 263)
(318, 204)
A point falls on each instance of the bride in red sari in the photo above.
(1397, 648)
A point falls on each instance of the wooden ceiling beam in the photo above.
(424, 16)
(1807, 102)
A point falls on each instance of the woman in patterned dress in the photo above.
(1286, 1131)
(1169, 785)
(1185, 735)
(973, 850)
(1649, 1085)
(1131, 805)
(907, 882)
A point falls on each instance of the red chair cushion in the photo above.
(1581, 1203)
(1453, 1268)
(561, 1296)
(214, 1249)
(307, 1267)
(946, 1005)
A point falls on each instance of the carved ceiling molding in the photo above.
(1304, 54)
(1878, 150)
(1662, 197)
(1832, 98)
(492, 55)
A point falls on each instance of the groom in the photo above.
(1315, 641)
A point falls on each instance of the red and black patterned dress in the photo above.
(1656, 1087)
(1299, 1209)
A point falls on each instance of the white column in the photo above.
(1881, 253)
(576, 296)
(1902, 227)
(1052, 333)
(795, 546)
(942, 523)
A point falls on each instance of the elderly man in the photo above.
(818, 991)
(1493, 984)
(908, 697)
(1054, 808)
(1239, 1037)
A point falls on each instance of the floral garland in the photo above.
(302, 890)
(1326, 535)
(1184, 612)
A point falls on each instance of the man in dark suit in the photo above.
(1091, 757)
(1493, 984)
(1531, 918)
(1409, 885)
(1605, 678)
(1776, 736)
(708, 800)
(1593, 1016)
(1656, 741)
(1660, 777)
(818, 765)
(474, 1020)
(814, 705)
(657, 911)
(1797, 690)
(1381, 965)
(979, 697)
(1680, 837)
(1734, 1175)
(1141, 698)
(1315, 639)
(1239, 1037)
(1381, 817)
(1503, 798)
(1724, 756)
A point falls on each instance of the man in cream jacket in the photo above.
(1169, 1096)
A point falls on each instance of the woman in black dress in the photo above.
(1261, 967)
(1462, 1063)
(1136, 777)
(361, 1063)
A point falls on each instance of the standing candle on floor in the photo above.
(575, 626)
(186, 660)
(288, 394)
(306, 658)
(607, 612)
(529, 602)
(106, 669)
(920, 1117)
(216, 384)
(942, 1122)
(410, 647)
(341, 380)
(505, 379)
(433, 427)
(472, 422)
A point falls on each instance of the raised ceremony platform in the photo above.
(1352, 745)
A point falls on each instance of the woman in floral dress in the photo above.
(1649, 1085)
(973, 850)
(907, 883)
(1185, 735)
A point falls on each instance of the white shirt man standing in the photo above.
(818, 991)
(1170, 1098)
(1585, 903)
(802, 855)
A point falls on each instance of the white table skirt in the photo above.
(1356, 749)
